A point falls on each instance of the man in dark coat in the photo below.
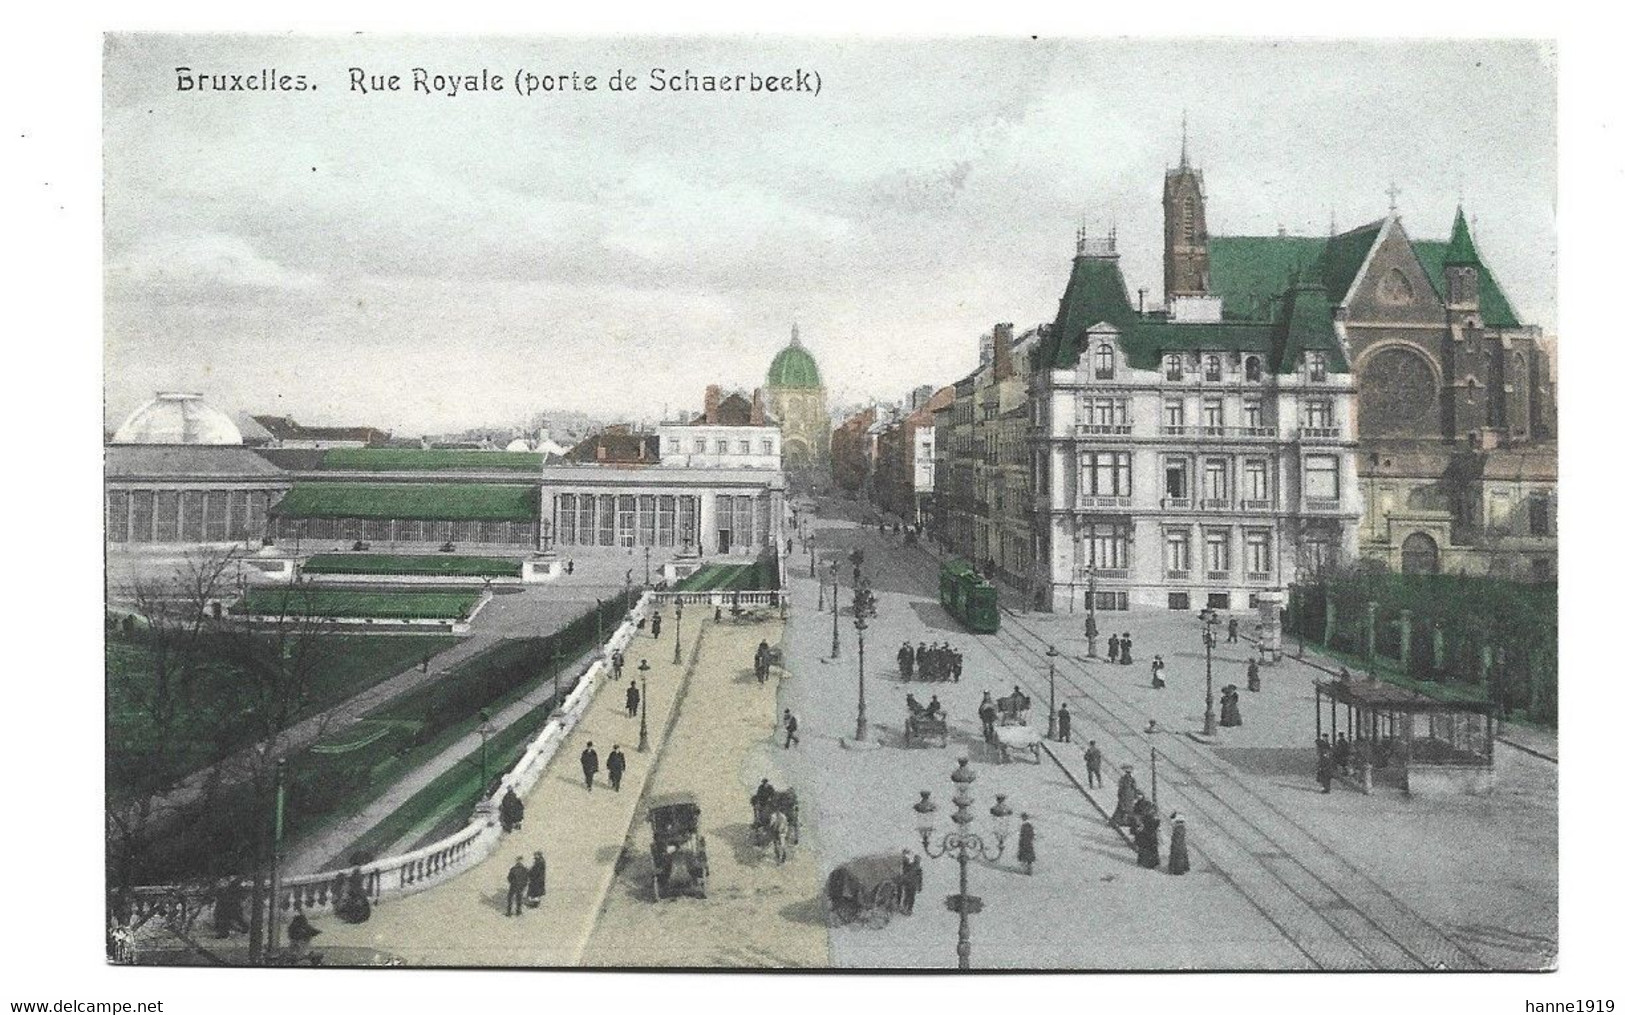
(790, 727)
(536, 883)
(1253, 683)
(934, 708)
(988, 712)
(1111, 649)
(1324, 769)
(905, 661)
(632, 699)
(1125, 650)
(589, 764)
(910, 881)
(922, 661)
(511, 811)
(654, 626)
(1234, 632)
(959, 664)
(619, 661)
(518, 880)
(1064, 724)
(228, 909)
(1091, 762)
(1026, 853)
(761, 800)
(1127, 793)
(1147, 838)
(615, 765)
(1341, 753)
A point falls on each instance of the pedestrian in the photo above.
(789, 546)
(1235, 631)
(424, 665)
(570, 566)
(1111, 649)
(1324, 769)
(905, 661)
(959, 664)
(1179, 857)
(620, 663)
(1230, 706)
(353, 905)
(615, 765)
(1157, 666)
(654, 626)
(228, 908)
(1253, 682)
(1064, 721)
(1258, 635)
(1127, 793)
(1026, 855)
(988, 712)
(518, 879)
(589, 765)
(511, 810)
(632, 699)
(905, 883)
(1091, 762)
(1341, 752)
(1125, 653)
(790, 726)
(1147, 835)
(536, 881)
(300, 935)
(922, 662)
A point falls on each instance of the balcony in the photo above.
(1258, 576)
(1258, 505)
(1176, 503)
(1178, 575)
(1218, 576)
(1320, 433)
(1216, 503)
(1103, 429)
(1319, 505)
(1107, 572)
(1087, 501)
(1222, 432)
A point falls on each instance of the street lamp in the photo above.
(963, 844)
(485, 731)
(835, 609)
(1052, 655)
(648, 553)
(863, 607)
(812, 558)
(1210, 638)
(1091, 630)
(677, 643)
(643, 709)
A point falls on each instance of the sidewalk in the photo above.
(461, 922)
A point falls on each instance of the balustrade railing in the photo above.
(1104, 429)
(1320, 433)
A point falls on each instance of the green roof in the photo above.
(1493, 305)
(1461, 249)
(1250, 271)
(421, 501)
(1343, 257)
(430, 459)
(794, 367)
(1095, 292)
(1306, 323)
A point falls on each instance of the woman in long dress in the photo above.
(1025, 853)
(536, 882)
(1147, 835)
(1179, 858)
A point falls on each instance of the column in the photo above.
(1371, 629)
(1405, 641)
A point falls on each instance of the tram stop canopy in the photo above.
(1428, 746)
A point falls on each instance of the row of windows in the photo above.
(1111, 474)
(1210, 366)
(1216, 549)
(701, 445)
(189, 516)
(656, 520)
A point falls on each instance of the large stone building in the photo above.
(1456, 414)
(795, 397)
(1186, 457)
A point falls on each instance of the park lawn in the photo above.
(315, 602)
(440, 565)
(721, 578)
(431, 460)
(352, 664)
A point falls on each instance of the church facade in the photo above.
(795, 396)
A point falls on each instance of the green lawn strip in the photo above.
(329, 602)
(454, 792)
(1440, 690)
(422, 501)
(431, 459)
(435, 565)
(353, 663)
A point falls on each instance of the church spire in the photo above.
(795, 333)
(1184, 140)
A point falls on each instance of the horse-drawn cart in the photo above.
(925, 723)
(678, 848)
(1016, 738)
(1014, 708)
(776, 820)
(868, 888)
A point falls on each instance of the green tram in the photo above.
(968, 597)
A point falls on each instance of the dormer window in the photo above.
(1105, 362)
(1173, 368)
(1317, 367)
(1255, 369)
(1214, 368)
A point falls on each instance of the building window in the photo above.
(606, 520)
(118, 516)
(685, 520)
(1177, 549)
(1500, 511)
(1175, 481)
(1317, 413)
(1540, 516)
(1258, 553)
(1106, 474)
(1173, 367)
(1104, 411)
(566, 526)
(1317, 557)
(1255, 369)
(1173, 414)
(1255, 481)
(646, 520)
(767, 447)
(1216, 480)
(699, 445)
(1105, 362)
(1179, 600)
(1317, 367)
(1106, 601)
(1252, 414)
(1187, 225)
(1213, 369)
(1540, 569)
(628, 516)
(1103, 544)
(1217, 559)
(673, 445)
(1213, 414)
(1320, 477)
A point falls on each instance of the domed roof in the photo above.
(178, 417)
(794, 367)
(518, 444)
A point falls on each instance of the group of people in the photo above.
(1138, 814)
(615, 765)
(526, 885)
(764, 661)
(1120, 649)
(939, 661)
(1229, 706)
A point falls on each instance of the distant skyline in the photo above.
(424, 263)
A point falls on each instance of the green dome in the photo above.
(794, 367)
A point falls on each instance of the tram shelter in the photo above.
(1426, 746)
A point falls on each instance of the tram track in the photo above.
(1332, 912)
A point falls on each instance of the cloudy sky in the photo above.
(427, 262)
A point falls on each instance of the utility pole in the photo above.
(275, 941)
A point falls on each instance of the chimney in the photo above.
(1002, 367)
(603, 452)
(713, 398)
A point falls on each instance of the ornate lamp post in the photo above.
(1091, 630)
(1051, 654)
(643, 708)
(1210, 638)
(812, 558)
(648, 554)
(962, 844)
(677, 642)
(863, 607)
(820, 593)
(835, 609)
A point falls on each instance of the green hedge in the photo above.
(303, 601)
(431, 460)
(443, 565)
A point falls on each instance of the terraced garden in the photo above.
(440, 565)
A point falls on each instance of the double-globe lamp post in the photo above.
(1051, 654)
(962, 844)
(643, 708)
(1210, 638)
(677, 641)
(835, 609)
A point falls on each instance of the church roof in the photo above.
(1461, 249)
(794, 367)
(1493, 306)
